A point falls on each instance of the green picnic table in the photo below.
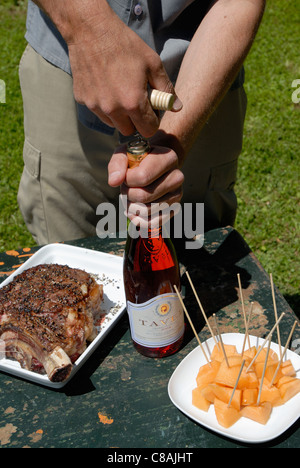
(119, 398)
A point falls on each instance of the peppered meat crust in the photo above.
(47, 307)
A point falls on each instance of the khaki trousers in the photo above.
(65, 164)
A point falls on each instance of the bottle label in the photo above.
(158, 322)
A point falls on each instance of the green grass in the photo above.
(13, 232)
(268, 184)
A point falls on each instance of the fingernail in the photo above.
(114, 177)
(177, 106)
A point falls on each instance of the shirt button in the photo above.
(138, 10)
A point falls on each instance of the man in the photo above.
(85, 77)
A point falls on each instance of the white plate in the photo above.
(183, 381)
(108, 270)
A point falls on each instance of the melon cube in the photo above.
(224, 394)
(207, 373)
(250, 353)
(217, 352)
(226, 417)
(263, 354)
(270, 370)
(259, 413)
(271, 394)
(288, 369)
(249, 396)
(208, 393)
(284, 380)
(199, 401)
(289, 388)
(227, 376)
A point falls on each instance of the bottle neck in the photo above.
(138, 149)
(146, 233)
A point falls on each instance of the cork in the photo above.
(161, 101)
(137, 149)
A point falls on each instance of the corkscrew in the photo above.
(138, 147)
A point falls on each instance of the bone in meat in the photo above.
(47, 317)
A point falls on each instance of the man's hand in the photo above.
(111, 74)
(111, 66)
(157, 180)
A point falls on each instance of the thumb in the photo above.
(162, 82)
(117, 167)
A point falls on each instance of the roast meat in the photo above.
(47, 316)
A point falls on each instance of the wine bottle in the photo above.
(150, 272)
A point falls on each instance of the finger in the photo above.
(147, 210)
(124, 125)
(146, 121)
(132, 112)
(168, 183)
(117, 167)
(160, 214)
(123, 122)
(160, 161)
(143, 117)
(103, 117)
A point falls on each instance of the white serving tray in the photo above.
(108, 270)
(183, 381)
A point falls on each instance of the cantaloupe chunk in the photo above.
(226, 417)
(284, 380)
(249, 396)
(271, 363)
(227, 376)
(207, 374)
(263, 354)
(199, 401)
(224, 394)
(250, 353)
(208, 393)
(260, 413)
(271, 394)
(270, 370)
(217, 352)
(289, 388)
(288, 369)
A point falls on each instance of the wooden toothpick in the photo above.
(243, 305)
(236, 383)
(264, 371)
(201, 308)
(262, 346)
(284, 352)
(276, 316)
(247, 328)
(221, 341)
(191, 323)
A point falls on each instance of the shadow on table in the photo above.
(213, 270)
(294, 303)
(81, 383)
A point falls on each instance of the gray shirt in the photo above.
(167, 26)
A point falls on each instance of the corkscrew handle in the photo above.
(160, 100)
